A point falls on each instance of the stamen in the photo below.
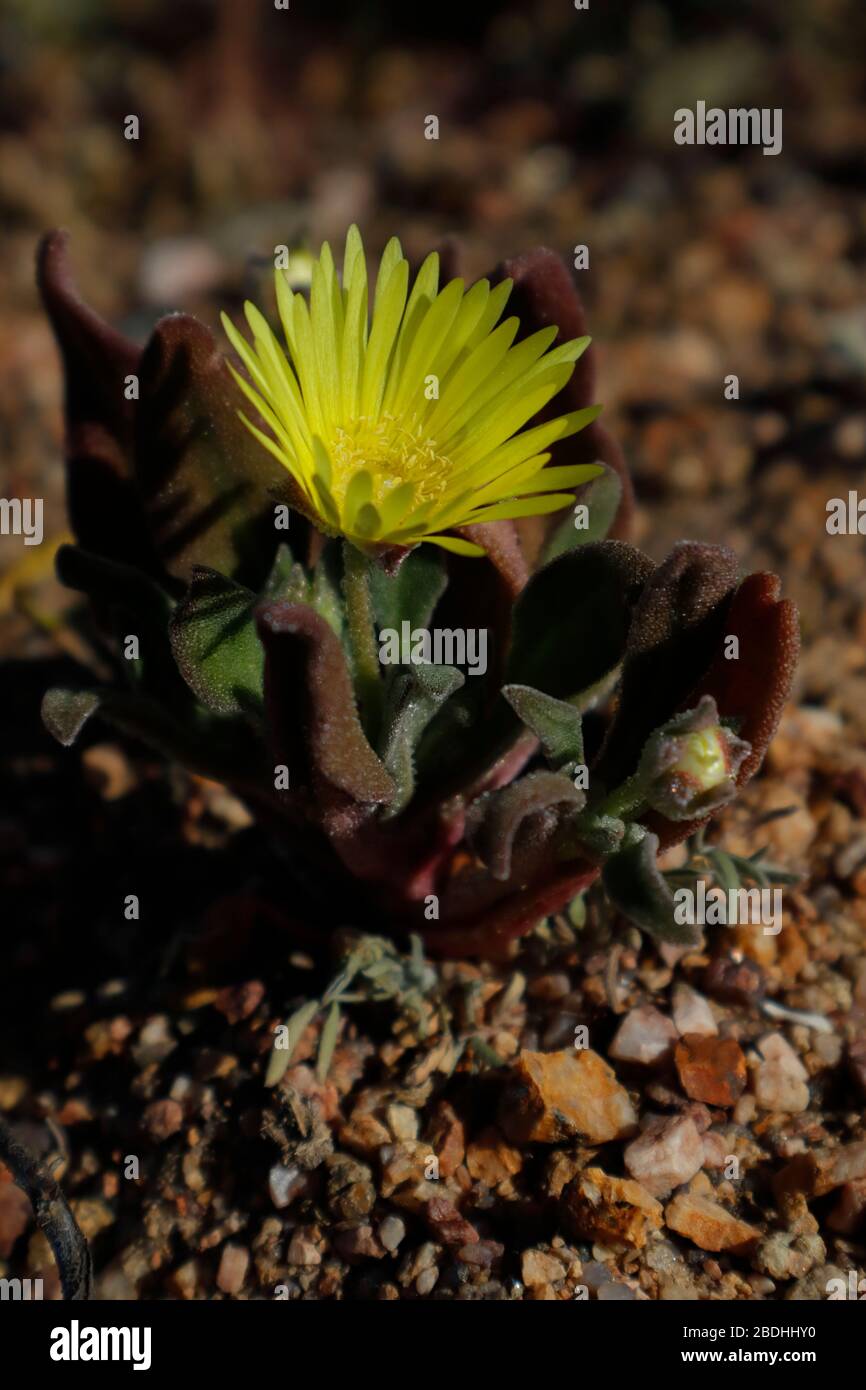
(394, 453)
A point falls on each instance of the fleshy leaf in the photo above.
(750, 691)
(104, 508)
(311, 707)
(504, 813)
(208, 488)
(135, 605)
(601, 497)
(572, 619)
(555, 723)
(65, 712)
(413, 699)
(634, 884)
(412, 593)
(674, 631)
(215, 643)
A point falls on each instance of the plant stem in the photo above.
(362, 635)
(52, 1213)
(625, 800)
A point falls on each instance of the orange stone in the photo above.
(491, 1160)
(557, 1095)
(613, 1211)
(709, 1225)
(712, 1070)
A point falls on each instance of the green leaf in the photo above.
(635, 885)
(286, 580)
(506, 811)
(413, 699)
(413, 592)
(65, 712)
(572, 620)
(280, 1058)
(601, 498)
(556, 724)
(328, 1041)
(215, 643)
(326, 595)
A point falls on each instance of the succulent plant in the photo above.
(261, 564)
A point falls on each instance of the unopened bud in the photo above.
(689, 767)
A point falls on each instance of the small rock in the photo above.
(359, 1242)
(538, 1268)
(402, 1121)
(447, 1139)
(391, 1232)
(303, 1251)
(716, 1150)
(787, 1255)
(709, 1225)
(559, 1094)
(612, 1211)
(491, 1160)
(666, 1154)
(447, 1224)
(645, 1036)
(691, 1011)
(814, 1286)
(426, 1281)
(285, 1183)
(780, 1081)
(845, 1164)
(162, 1119)
(734, 981)
(711, 1069)
(848, 1214)
(480, 1253)
(234, 1263)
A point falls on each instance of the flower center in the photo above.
(393, 453)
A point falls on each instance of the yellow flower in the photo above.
(400, 431)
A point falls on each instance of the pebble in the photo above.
(612, 1211)
(285, 1183)
(447, 1223)
(538, 1268)
(490, 1160)
(233, 1266)
(691, 1011)
(359, 1242)
(708, 1225)
(426, 1281)
(779, 1080)
(391, 1232)
(402, 1121)
(711, 1069)
(303, 1251)
(559, 1094)
(162, 1119)
(645, 1036)
(667, 1153)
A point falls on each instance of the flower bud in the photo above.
(689, 766)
